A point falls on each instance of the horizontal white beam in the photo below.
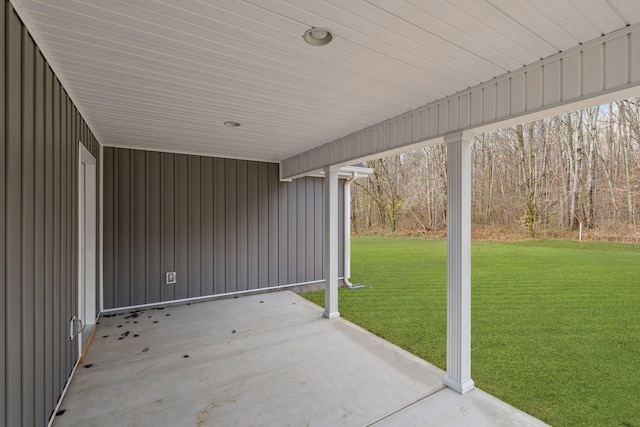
(600, 71)
(345, 172)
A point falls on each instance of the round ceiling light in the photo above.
(318, 36)
(232, 124)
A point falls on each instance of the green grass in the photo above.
(555, 324)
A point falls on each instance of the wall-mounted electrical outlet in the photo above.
(171, 278)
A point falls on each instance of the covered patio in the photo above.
(267, 359)
(157, 152)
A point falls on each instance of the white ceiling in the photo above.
(166, 75)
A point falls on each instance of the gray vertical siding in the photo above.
(13, 218)
(39, 131)
(3, 212)
(28, 259)
(223, 225)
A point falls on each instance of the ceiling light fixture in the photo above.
(232, 124)
(318, 36)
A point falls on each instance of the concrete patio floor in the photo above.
(267, 359)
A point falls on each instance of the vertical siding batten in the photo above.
(241, 225)
(340, 228)
(130, 272)
(28, 267)
(108, 229)
(319, 223)
(49, 248)
(194, 229)
(140, 283)
(167, 195)
(309, 210)
(231, 231)
(301, 262)
(57, 388)
(273, 185)
(283, 233)
(39, 232)
(64, 240)
(292, 218)
(64, 315)
(263, 217)
(123, 258)
(207, 221)
(3, 204)
(219, 226)
(59, 178)
(253, 231)
(97, 153)
(69, 255)
(13, 220)
(182, 226)
(72, 249)
(154, 227)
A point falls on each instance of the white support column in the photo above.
(331, 243)
(458, 375)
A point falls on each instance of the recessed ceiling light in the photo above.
(318, 36)
(232, 124)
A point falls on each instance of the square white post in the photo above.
(458, 376)
(331, 243)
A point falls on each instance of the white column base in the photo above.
(331, 315)
(461, 388)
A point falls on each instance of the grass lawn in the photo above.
(555, 324)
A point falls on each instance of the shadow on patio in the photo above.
(268, 359)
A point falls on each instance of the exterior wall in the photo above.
(39, 130)
(223, 225)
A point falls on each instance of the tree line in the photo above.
(576, 171)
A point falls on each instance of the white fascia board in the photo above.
(600, 71)
(345, 172)
(350, 170)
